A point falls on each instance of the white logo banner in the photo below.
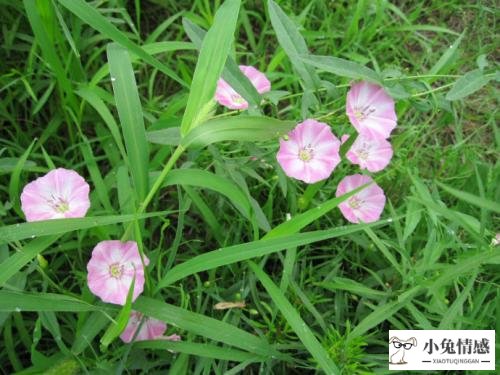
(442, 350)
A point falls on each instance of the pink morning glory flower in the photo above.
(365, 206)
(310, 152)
(111, 269)
(229, 98)
(61, 193)
(371, 110)
(150, 329)
(373, 154)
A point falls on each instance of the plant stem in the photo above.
(156, 186)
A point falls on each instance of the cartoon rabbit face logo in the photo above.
(400, 347)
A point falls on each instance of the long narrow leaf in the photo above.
(205, 326)
(131, 118)
(211, 61)
(16, 232)
(238, 128)
(341, 67)
(293, 44)
(231, 73)
(237, 253)
(96, 20)
(298, 325)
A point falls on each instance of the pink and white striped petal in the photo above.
(373, 154)
(310, 152)
(371, 110)
(61, 193)
(229, 98)
(111, 270)
(365, 206)
(151, 329)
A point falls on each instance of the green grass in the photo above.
(208, 204)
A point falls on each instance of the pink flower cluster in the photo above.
(63, 193)
(311, 151)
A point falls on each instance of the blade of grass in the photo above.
(237, 253)
(117, 327)
(237, 128)
(384, 311)
(129, 109)
(471, 198)
(231, 73)
(202, 350)
(10, 266)
(22, 301)
(14, 182)
(16, 232)
(96, 20)
(211, 61)
(205, 326)
(293, 44)
(298, 325)
(342, 67)
(298, 222)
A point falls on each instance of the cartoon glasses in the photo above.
(398, 345)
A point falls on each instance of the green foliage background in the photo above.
(320, 296)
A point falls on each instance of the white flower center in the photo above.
(363, 152)
(58, 204)
(355, 202)
(362, 113)
(237, 99)
(116, 270)
(306, 153)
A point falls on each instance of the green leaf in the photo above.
(296, 223)
(205, 179)
(341, 283)
(49, 50)
(468, 84)
(342, 67)
(237, 253)
(96, 20)
(384, 311)
(238, 128)
(21, 301)
(298, 325)
(293, 44)
(10, 266)
(117, 327)
(211, 61)
(16, 232)
(201, 350)
(129, 109)
(231, 73)
(205, 326)
(14, 183)
(168, 136)
(445, 59)
(91, 95)
(472, 199)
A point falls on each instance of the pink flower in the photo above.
(173, 337)
(365, 206)
(61, 193)
(373, 154)
(229, 98)
(111, 270)
(371, 110)
(310, 153)
(150, 329)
